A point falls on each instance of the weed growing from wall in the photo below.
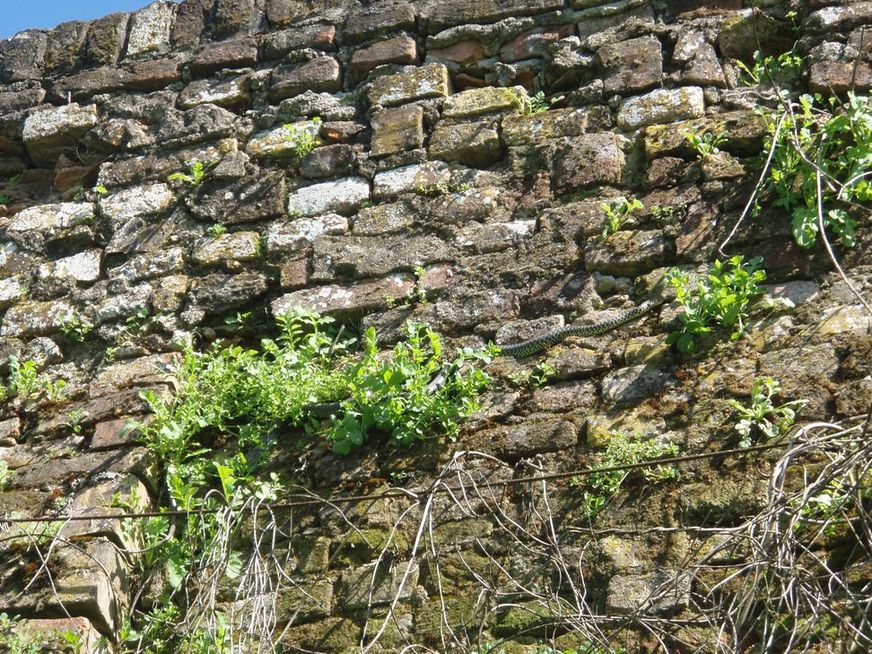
(762, 419)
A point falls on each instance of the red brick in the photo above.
(462, 52)
(237, 53)
(319, 74)
(398, 50)
(534, 43)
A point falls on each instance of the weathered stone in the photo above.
(236, 53)
(365, 586)
(370, 22)
(294, 274)
(36, 318)
(190, 21)
(329, 161)
(288, 237)
(695, 53)
(154, 74)
(743, 133)
(123, 303)
(428, 81)
(446, 13)
(218, 293)
(631, 385)
(661, 106)
(462, 52)
(122, 206)
(283, 12)
(383, 219)
(82, 267)
(839, 77)
(358, 256)
(283, 141)
(329, 634)
(723, 500)
(317, 36)
(34, 227)
(82, 86)
(660, 591)
(97, 500)
(232, 93)
(234, 16)
(49, 132)
(64, 47)
(531, 128)
(22, 55)
(355, 299)
(398, 50)
(389, 183)
(587, 160)
(144, 371)
(631, 66)
(485, 100)
(240, 201)
(752, 30)
(602, 24)
(342, 196)
(473, 144)
(319, 74)
(168, 297)
(627, 253)
(124, 172)
(13, 101)
(513, 442)
(494, 237)
(150, 29)
(534, 43)
(12, 289)
(397, 130)
(236, 246)
(205, 122)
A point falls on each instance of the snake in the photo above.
(534, 345)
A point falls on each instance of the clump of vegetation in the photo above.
(782, 70)
(618, 211)
(5, 198)
(6, 474)
(706, 144)
(538, 103)
(77, 328)
(27, 383)
(821, 164)
(217, 230)
(17, 639)
(762, 420)
(621, 450)
(194, 177)
(303, 137)
(721, 300)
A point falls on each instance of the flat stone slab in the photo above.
(661, 106)
(353, 299)
(343, 196)
(428, 81)
(48, 132)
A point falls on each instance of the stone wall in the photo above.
(436, 174)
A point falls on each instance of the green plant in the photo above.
(6, 474)
(533, 377)
(76, 416)
(623, 451)
(762, 418)
(781, 70)
(10, 185)
(721, 300)
(618, 212)
(538, 103)
(216, 230)
(24, 379)
(705, 144)
(76, 328)
(303, 137)
(194, 177)
(831, 136)
(16, 638)
(101, 190)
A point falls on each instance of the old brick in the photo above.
(397, 130)
(398, 50)
(319, 74)
(462, 52)
(474, 144)
(631, 66)
(235, 53)
(190, 22)
(105, 39)
(586, 160)
(428, 81)
(317, 36)
(534, 43)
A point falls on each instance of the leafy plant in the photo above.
(721, 300)
(76, 328)
(837, 137)
(622, 451)
(533, 377)
(194, 177)
(101, 190)
(6, 474)
(217, 230)
(783, 70)
(705, 144)
(15, 638)
(538, 103)
(303, 137)
(10, 185)
(618, 212)
(762, 417)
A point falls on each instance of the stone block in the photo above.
(744, 33)
(631, 66)
(156, 263)
(282, 13)
(280, 142)
(318, 36)
(150, 29)
(82, 86)
(13, 101)
(409, 179)
(294, 236)
(36, 318)
(329, 161)
(12, 289)
(538, 436)
(486, 100)
(370, 22)
(235, 16)
(360, 588)
(473, 144)
(354, 300)
(360, 256)
(49, 132)
(342, 196)
(231, 92)
(494, 237)
(318, 74)
(243, 200)
(154, 74)
(235, 53)
(446, 13)
(218, 294)
(743, 131)
(631, 385)
(529, 129)
(32, 228)
(294, 274)
(627, 253)
(114, 434)
(81, 267)
(137, 201)
(598, 25)
(410, 84)
(397, 130)
(398, 50)
(190, 22)
(839, 77)
(661, 106)
(64, 47)
(236, 246)
(463, 52)
(534, 43)
(587, 160)
(21, 56)
(123, 172)
(383, 219)
(661, 591)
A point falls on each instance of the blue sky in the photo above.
(25, 14)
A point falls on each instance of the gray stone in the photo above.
(361, 588)
(281, 142)
(383, 219)
(661, 591)
(243, 200)
(231, 92)
(217, 293)
(661, 106)
(532, 128)
(153, 264)
(472, 144)
(12, 289)
(22, 55)
(358, 256)
(494, 237)
(36, 318)
(631, 66)
(317, 36)
(287, 237)
(64, 48)
(236, 246)
(49, 132)
(32, 228)
(397, 130)
(150, 29)
(356, 299)
(329, 161)
(342, 196)
(149, 200)
(105, 39)
(369, 22)
(428, 81)
(513, 442)
(123, 304)
(587, 160)
(319, 74)
(407, 179)
(631, 385)
(485, 100)
(81, 267)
